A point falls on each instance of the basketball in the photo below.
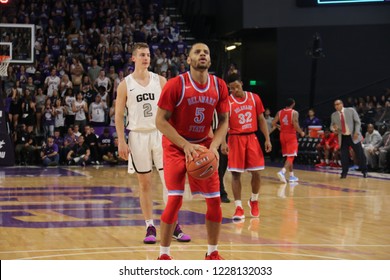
(203, 166)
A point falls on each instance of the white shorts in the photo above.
(146, 149)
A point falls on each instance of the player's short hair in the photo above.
(233, 77)
(139, 45)
(197, 43)
(289, 102)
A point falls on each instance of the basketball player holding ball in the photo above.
(184, 117)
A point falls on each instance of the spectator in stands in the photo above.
(76, 130)
(58, 138)
(20, 139)
(163, 63)
(328, 150)
(94, 71)
(112, 75)
(15, 109)
(30, 86)
(105, 141)
(181, 46)
(91, 141)
(97, 112)
(116, 58)
(381, 152)
(48, 119)
(65, 84)
(112, 114)
(232, 70)
(111, 154)
(371, 140)
(28, 109)
(27, 151)
(80, 108)
(102, 80)
(117, 80)
(37, 79)
(10, 80)
(273, 134)
(50, 153)
(79, 154)
(369, 116)
(40, 99)
(310, 120)
(22, 75)
(77, 71)
(52, 82)
(70, 115)
(385, 116)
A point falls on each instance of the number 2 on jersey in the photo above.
(147, 110)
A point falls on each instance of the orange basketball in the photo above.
(203, 166)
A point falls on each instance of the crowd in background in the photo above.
(82, 52)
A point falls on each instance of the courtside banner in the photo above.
(183, 270)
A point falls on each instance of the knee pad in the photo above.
(290, 159)
(169, 216)
(214, 212)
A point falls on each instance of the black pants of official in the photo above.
(223, 162)
(347, 142)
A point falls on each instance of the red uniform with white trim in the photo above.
(332, 141)
(192, 106)
(288, 134)
(245, 153)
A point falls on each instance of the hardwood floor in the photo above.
(93, 213)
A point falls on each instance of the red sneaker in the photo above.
(239, 214)
(164, 257)
(213, 256)
(254, 206)
(320, 165)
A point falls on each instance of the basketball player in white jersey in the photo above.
(139, 92)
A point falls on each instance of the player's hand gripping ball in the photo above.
(203, 166)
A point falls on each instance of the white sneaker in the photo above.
(281, 177)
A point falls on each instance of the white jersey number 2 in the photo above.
(147, 110)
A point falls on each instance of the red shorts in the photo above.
(175, 173)
(289, 144)
(245, 153)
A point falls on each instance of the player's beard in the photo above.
(201, 67)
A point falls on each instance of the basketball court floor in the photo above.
(93, 213)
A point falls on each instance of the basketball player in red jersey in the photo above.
(243, 149)
(289, 126)
(139, 93)
(184, 117)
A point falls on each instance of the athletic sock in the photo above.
(164, 250)
(211, 248)
(149, 223)
(254, 196)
